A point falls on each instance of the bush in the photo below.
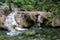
(39, 5)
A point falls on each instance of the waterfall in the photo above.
(9, 22)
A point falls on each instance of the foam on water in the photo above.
(15, 32)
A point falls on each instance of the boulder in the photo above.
(57, 21)
(31, 18)
(28, 19)
(2, 18)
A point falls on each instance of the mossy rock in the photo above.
(14, 25)
(1, 24)
(30, 33)
(1, 38)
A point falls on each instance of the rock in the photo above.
(4, 11)
(45, 15)
(2, 18)
(21, 20)
(28, 19)
(57, 21)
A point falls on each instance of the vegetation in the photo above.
(30, 33)
(40, 5)
(1, 38)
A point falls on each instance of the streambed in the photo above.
(41, 34)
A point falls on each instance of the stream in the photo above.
(41, 34)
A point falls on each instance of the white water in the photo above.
(9, 22)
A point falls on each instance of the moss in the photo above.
(1, 38)
(14, 25)
(52, 21)
(30, 33)
(1, 24)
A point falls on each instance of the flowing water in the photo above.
(41, 34)
(9, 22)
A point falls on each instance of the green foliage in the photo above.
(40, 5)
(52, 21)
(26, 5)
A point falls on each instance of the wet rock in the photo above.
(2, 18)
(57, 21)
(28, 19)
(21, 20)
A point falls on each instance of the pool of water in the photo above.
(41, 34)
